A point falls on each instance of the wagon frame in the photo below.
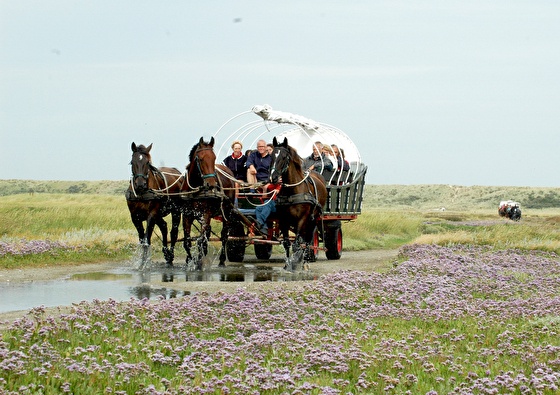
(345, 189)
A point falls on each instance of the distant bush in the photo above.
(549, 199)
(431, 197)
(16, 187)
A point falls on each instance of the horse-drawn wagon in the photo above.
(510, 209)
(299, 195)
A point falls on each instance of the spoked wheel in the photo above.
(236, 248)
(333, 240)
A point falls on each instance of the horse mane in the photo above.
(197, 145)
(193, 151)
(298, 161)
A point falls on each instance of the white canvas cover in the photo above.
(509, 203)
(300, 131)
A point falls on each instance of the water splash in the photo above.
(142, 258)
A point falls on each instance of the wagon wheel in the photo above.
(333, 240)
(263, 250)
(236, 248)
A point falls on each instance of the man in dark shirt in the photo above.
(258, 164)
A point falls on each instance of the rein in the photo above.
(285, 169)
(306, 178)
(156, 172)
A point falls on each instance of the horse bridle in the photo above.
(288, 159)
(144, 176)
(197, 161)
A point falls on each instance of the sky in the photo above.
(431, 92)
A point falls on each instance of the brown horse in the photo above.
(150, 198)
(207, 194)
(300, 201)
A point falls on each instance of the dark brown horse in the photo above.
(150, 197)
(300, 201)
(207, 194)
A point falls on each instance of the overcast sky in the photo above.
(432, 92)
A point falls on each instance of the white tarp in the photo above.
(300, 131)
(268, 114)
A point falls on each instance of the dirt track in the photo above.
(373, 260)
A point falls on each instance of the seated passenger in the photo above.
(317, 161)
(236, 161)
(329, 153)
(263, 211)
(342, 163)
(258, 164)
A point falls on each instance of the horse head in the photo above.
(140, 163)
(202, 162)
(281, 157)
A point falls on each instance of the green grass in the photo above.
(97, 227)
(92, 228)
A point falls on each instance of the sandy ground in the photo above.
(372, 260)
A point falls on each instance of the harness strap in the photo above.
(299, 198)
(147, 195)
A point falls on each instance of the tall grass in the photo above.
(52, 215)
(86, 228)
(382, 229)
(533, 233)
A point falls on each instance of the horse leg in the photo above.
(223, 239)
(187, 224)
(285, 231)
(309, 232)
(147, 244)
(202, 243)
(162, 225)
(297, 253)
(139, 225)
(174, 234)
(301, 242)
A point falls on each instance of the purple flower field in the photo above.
(460, 320)
(26, 247)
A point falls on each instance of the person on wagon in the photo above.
(258, 164)
(317, 161)
(267, 207)
(342, 163)
(236, 161)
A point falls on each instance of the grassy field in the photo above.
(472, 306)
(73, 222)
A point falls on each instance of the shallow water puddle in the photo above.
(125, 282)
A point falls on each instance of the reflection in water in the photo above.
(232, 277)
(124, 282)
